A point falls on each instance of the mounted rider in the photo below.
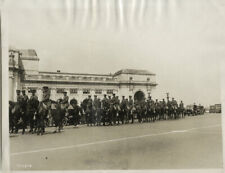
(44, 109)
(105, 108)
(24, 110)
(113, 109)
(65, 100)
(32, 108)
(130, 109)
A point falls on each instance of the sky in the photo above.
(181, 41)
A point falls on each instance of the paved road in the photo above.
(193, 142)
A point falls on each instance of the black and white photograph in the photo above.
(113, 85)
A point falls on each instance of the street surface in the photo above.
(189, 143)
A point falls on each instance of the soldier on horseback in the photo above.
(174, 108)
(181, 109)
(97, 111)
(89, 111)
(130, 108)
(113, 109)
(32, 108)
(123, 107)
(44, 110)
(105, 108)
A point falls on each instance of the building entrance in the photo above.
(139, 96)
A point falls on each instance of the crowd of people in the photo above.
(35, 114)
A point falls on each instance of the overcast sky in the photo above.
(181, 41)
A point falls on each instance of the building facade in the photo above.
(24, 74)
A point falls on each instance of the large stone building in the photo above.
(24, 74)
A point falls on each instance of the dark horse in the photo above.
(14, 116)
(58, 111)
(43, 110)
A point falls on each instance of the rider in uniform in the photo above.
(19, 98)
(181, 107)
(24, 109)
(164, 108)
(65, 100)
(32, 109)
(105, 107)
(96, 111)
(123, 106)
(130, 105)
(113, 109)
(46, 103)
(89, 111)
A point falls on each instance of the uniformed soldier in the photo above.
(148, 107)
(130, 108)
(25, 97)
(89, 111)
(32, 109)
(174, 107)
(113, 104)
(123, 107)
(24, 110)
(164, 109)
(157, 109)
(181, 108)
(153, 110)
(45, 108)
(97, 110)
(19, 98)
(65, 100)
(105, 109)
(143, 115)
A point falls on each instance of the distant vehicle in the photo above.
(194, 110)
(215, 108)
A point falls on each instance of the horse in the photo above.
(14, 116)
(32, 108)
(58, 112)
(43, 111)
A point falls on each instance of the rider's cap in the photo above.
(33, 91)
(23, 91)
(45, 88)
(17, 91)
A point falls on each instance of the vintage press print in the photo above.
(114, 85)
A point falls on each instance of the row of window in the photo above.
(85, 78)
(76, 77)
(131, 78)
(75, 90)
(85, 91)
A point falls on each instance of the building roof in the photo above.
(28, 53)
(133, 71)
